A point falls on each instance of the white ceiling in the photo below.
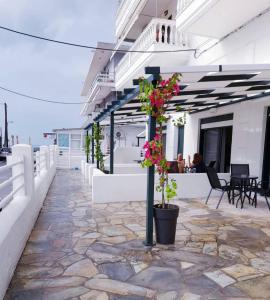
(216, 18)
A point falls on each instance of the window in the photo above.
(63, 140)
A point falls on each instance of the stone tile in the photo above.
(55, 282)
(210, 248)
(100, 258)
(242, 272)
(186, 265)
(120, 288)
(71, 259)
(260, 264)
(220, 278)
(139, 266)
(159, 278)
(258, 288)
(66, 293)
(118, 270)
(37, 272)
(190, 296)
(84, 268)
(115, 230)
(95, 295)
(168, 296)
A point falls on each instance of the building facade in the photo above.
(223, 32)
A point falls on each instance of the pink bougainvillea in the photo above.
(155, 99)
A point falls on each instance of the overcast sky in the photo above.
(47, 70)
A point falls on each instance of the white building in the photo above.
(230, 120)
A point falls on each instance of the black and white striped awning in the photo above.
(201, 88)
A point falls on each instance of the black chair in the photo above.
(216, 185)
(237, 170)
(212, 164)
(260, 189)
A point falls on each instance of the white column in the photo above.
(44, 154)
(24, 152)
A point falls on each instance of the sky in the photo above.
(48, 70)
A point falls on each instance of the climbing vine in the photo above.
(98, 153)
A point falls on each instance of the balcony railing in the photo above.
(158, 32)
(101, 78)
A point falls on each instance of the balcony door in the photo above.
(266, 160)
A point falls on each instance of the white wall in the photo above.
(128, 136)
(249, 124)
(125, 155)
(132, 187)
(250, 45)
(17, 220)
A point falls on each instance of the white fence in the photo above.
(68, 158)
(30, 180)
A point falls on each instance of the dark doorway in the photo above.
(266, 159)
(180, 145)
(215, 145)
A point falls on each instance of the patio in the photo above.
(80, 251)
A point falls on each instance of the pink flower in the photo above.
(176, 89)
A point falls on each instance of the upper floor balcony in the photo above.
(99, 89)
(159, 35)
(127, 13)
(216, 18)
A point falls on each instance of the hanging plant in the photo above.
(98, 153)
(155, 99)
(87, 147)
(180, 121)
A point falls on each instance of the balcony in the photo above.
(100, 88)
(159, 35)
(216, 18)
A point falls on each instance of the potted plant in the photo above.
(87, 147)
(98, 152)
(155, 99)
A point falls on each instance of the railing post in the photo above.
(98, 127)
(38, 163)
(93, 146)
(111, 142)
(44, 154)
(24, 152)
(150, 186)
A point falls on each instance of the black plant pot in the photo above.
(165, 223)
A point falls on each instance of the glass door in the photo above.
(215, 146)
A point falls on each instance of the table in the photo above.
(243, 183)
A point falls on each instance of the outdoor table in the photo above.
(245, 181)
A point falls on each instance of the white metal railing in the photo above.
(6, 200)
(157, 32)
(24, 166)
(100, 78)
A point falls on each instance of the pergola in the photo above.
(202, 88)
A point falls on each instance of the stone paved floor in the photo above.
(80, 251)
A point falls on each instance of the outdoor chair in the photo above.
(236, 170)
(212, 164)
(216, 185)
(260, 189)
